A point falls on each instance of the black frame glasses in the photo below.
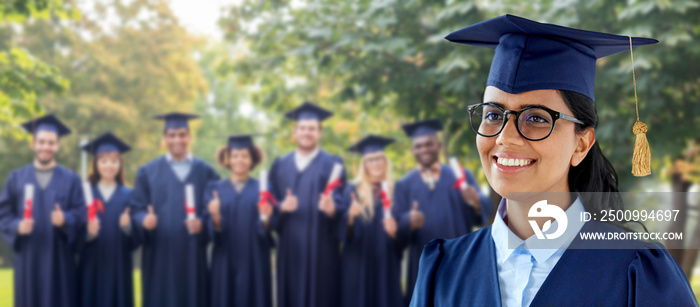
(555, 115)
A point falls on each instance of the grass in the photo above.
(6, 297)
(6, 294)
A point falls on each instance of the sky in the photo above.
(200, 16)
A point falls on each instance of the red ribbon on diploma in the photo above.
(266, 198)
(332, 185)
(385, 200)
(95, 206)
(28, 209)
(189, 209)
(459, 181)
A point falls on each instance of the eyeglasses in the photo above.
(533, 123)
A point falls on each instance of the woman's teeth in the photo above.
(513, 162)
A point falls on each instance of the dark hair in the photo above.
(223, 154)
(94, 176)
(594, 177)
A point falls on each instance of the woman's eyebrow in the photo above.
(533, 105)
(496, 103)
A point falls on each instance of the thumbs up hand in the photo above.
(58, 219)
(125, 219)
(325, 204)
(215, 205)
(416, 217)
(151, 220)
(290, 203)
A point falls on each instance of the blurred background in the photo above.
(109, 65)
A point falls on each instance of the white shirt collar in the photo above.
(170, 158)
(540, 249)
(302, 161)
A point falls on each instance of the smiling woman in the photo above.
(548, 146)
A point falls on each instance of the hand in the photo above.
(58, 219)
(194, 226)
(214, 205)
(416, 217)
(93, 227)
(290, 203)
(326, 205)
(390, 227)
(355, 209)
(151, 220)
(471, 197)
(125, 219)
(265, 209)
(25, 226)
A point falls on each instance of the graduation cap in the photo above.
(422, 128)
(308, 110)
(46, 123)
(106, 143)
(370, 144)
(240, 141)
(532, 55)
(176, 120)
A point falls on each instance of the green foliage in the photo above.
(388, 60)
(23, 76)
(121, 75)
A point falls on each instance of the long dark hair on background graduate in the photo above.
(595, 178)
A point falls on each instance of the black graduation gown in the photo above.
(371, 274)
(105, 265)
(463, 272)
(308, 254)
(44, 261)
(174, 262)
(240, 268)
(446, 214)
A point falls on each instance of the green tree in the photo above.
(390, 57)
(23, 76)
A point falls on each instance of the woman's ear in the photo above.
(584, 142)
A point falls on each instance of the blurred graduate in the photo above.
(167, 204)
(308, 253)
(371, 274)
(430, 201)
(238, 223)
(42, 212)
(535, 134)
(105, 265)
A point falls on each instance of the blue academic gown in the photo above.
(371, 274)
(463, 272)
(308, 254)
(446, 213)
(174, 262)
(105, 265)
(44, 261)
(240, 268)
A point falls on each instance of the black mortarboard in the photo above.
(309, 111)
(176, 120)
(423, 127)
(106, 143)
(532, 55)
(46, 123)
(370, 144)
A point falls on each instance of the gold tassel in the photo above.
(641, 159)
